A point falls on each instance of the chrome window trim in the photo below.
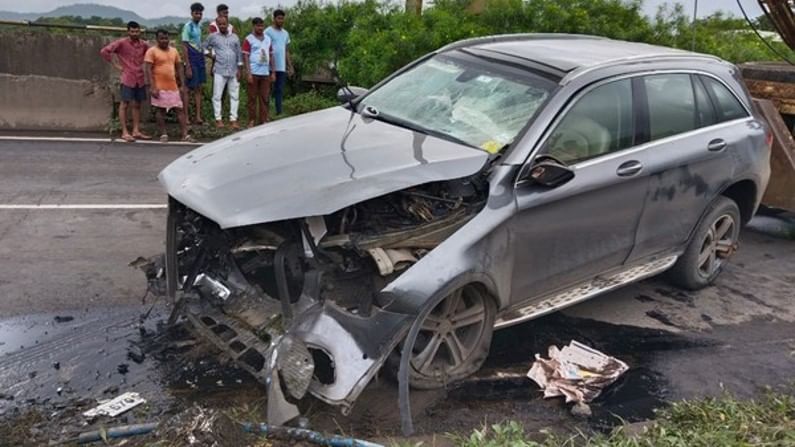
(610, 155)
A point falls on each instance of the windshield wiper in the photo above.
(372, 112)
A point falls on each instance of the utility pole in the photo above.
(414, 7)
(695, 18)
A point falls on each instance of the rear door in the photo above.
(695, 127)
(584, 227)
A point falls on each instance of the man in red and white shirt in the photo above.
(222, 11)
(127, 55)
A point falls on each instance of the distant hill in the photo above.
(87, 10)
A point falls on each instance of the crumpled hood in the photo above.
(310, 165)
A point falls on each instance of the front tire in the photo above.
(713, 243)
(453, 341)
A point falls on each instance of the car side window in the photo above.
(672, 105)
(729, 107)
(599, 123)
(704, 108)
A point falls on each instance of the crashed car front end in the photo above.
(298, 303)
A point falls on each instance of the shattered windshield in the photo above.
(474, 101)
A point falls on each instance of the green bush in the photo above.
(307, 102)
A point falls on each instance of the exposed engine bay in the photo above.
(296, 302)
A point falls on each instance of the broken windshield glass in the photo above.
(464, 99)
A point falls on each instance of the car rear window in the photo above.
(729, 107)
(672, 105)
(704, 108)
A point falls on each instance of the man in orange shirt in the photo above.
(163, 70)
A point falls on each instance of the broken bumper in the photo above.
(311, 347)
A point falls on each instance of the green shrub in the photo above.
(307, 102)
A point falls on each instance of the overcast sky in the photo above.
(247, 8)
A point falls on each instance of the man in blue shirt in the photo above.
(283, 66)
(195, 70)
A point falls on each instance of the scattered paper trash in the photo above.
(577, 372)
(116, 406)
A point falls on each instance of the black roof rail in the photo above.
(514, 38)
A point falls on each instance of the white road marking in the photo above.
(95, 140)
(93, 206)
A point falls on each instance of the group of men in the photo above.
(173, 80)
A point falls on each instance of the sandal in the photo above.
(188, 139)
(128, 138)
(141, 136)
(164, 138)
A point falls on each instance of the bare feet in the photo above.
(141, 136)
(127, 138)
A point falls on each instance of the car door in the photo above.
(586, 226)
(695, 125)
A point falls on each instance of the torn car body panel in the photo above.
(315, 284)
(270, 173)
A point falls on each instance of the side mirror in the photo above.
(347, 94)
(548, 173)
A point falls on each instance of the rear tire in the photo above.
(713, 243)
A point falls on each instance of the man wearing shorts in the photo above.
(257, 57)
(163, 73)
(195, 70)
(127, 55)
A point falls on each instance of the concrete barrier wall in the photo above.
(32, 102)
(52, 81)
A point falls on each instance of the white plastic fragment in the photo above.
(116, 406)
(577, 372)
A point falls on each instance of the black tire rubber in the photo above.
(473, 363)
(685, 273)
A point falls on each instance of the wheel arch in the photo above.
(744, 193)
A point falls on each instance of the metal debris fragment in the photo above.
(116, 406)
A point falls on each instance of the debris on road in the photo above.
(116, 406)
(122, 431)
(577, 372)
(63, 319)
(302, 434)
(202, 426)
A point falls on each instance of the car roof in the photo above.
(564, 54)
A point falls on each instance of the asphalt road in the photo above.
(53, 259)
(738, 334)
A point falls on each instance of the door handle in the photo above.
(629, 168)
(716, 145)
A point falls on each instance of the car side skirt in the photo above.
(584, 290)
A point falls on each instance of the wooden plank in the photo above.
(780, 191)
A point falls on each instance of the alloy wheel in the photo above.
(450, 334)
(718, 245)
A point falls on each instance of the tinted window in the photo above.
(672, 107)
(729, 107)
(600, 122)
(704, 108)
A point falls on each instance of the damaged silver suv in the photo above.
(483, 185)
